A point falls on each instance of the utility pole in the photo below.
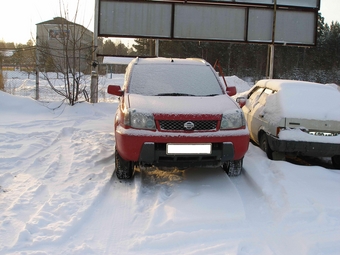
(94, 66)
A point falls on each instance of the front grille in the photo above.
(179, 125)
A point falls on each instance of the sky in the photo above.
(19, 17)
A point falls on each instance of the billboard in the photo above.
(249, 21)
(292, 27)
(293, 3)
(135, 19)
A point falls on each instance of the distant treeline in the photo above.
(320, 63)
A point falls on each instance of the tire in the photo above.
(233, 167)
(124, 169)
(336, 161)
(264, 145)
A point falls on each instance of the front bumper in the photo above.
(155, 154)
(149, 147)
(314, 149)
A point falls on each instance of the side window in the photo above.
(254, 96)
(264, 95)
(253, 91)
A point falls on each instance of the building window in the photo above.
(58, 34)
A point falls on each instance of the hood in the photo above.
(182, 104)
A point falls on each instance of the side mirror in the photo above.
(231, 91)
(115, 90)
(241, 101)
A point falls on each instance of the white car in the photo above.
(295, 117)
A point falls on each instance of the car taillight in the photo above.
(278, 130)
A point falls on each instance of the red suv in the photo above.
(176, 113)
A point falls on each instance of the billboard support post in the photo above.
(271, 61)
(157, 47)
(271, 46)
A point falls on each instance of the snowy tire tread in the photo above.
(233, 167)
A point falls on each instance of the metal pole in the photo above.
(157, 47)
(94, 68)
(271, 65)
(37, 68)
(268, 62)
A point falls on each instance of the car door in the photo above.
(257, 115)
(249, 108)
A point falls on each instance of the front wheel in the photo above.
(124, 168)
(233, 167)
(336, 161)
(265, 146)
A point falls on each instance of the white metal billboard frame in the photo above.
(287, 22)
(246, 21)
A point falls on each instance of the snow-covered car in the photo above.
(295, 117)
(176, 113)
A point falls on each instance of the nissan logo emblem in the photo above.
(189, 125)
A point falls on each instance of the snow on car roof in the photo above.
(277, 84)
(177, 61)
(300, 99)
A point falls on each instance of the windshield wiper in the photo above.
(176, 94)
(185, 95)
(211, 95)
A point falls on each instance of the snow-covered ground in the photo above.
(59, 195)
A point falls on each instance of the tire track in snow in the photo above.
(265, 202)
(16, 211)
(31, 183)
(266, 184)
(58, 167)
(103, 229)
(203, 206)
(159, 209)
(272, 213)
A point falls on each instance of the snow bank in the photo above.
(240, 84)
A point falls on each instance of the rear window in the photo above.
(196, 80)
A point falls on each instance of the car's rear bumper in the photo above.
(304, 148)
(149, 147)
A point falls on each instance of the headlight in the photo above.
(139, 120)
(232, 120)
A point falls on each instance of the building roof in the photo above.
(60, 21)
(56, 20)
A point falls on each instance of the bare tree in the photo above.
(65, 47)
(2, 81)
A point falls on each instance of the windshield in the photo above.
(174, 80)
